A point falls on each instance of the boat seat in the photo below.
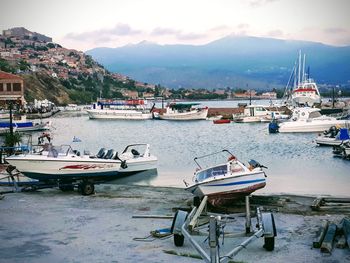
(135, 152)
(101, 153)
(110, 154)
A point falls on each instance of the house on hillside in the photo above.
(11, 89)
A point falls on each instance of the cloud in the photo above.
(177, 34)
(161, 31)
(275, 33)
(335, 30)
(257, 3)
(104, 33)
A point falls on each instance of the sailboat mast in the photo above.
(299, 65)
(303, 76)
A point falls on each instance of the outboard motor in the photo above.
(254, 164)
(273, 127)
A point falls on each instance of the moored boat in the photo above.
(226, 181)
(253, 113)
(221, 121)
(333, 136)
(121, 110)
(23, 125)
(184, 112)
(309, 120)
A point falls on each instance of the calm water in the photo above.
(295, 164)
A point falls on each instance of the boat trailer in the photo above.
(84, 186)
(188, 224)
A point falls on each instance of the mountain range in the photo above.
(232, 61)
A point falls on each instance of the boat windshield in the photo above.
(211, 172)
(314, 114)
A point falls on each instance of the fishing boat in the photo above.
(333, 136)
(62, 164)
(184, 112)
(253, 113)
(121, 110)
(308, 119)
(304, 91)
(23, 125)
(226, 181)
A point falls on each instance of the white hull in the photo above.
(41, 167)
(185, 116)
(119, 114)
(247, 119)
(310, 126)
(227, 184)
(322, 140)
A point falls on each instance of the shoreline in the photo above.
(65, 226)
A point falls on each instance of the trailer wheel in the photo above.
(179, 240)
(87, 188)
(269, 243)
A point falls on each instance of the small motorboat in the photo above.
(221, 121)
(333, 136)
(62, 164)
(24, 126)
(226, 181)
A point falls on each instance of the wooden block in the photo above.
(320, 235)
(341, 242)
(327, 244)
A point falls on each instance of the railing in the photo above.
(7, 151)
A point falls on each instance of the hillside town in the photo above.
(26, 52)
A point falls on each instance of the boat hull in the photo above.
(77, 168)
(321, 140)
(119, 114)
(229, 188)
(185, 116)
(310, 126)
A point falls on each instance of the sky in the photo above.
(86, 24)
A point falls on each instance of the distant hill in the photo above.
(260, 63)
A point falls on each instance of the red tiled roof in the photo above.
(5, 75)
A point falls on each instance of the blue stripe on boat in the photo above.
(237, 183)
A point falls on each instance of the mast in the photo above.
(303, 76)
(299, 65)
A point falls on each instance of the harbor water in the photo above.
(296, 165)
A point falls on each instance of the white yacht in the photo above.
(309, 120)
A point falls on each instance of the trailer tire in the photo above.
(269, 243)
(87, 188)
(179, 240)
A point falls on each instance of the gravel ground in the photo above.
(53, 226)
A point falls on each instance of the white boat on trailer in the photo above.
(67, 167)
(226, 181)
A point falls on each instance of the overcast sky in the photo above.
(85, 24)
